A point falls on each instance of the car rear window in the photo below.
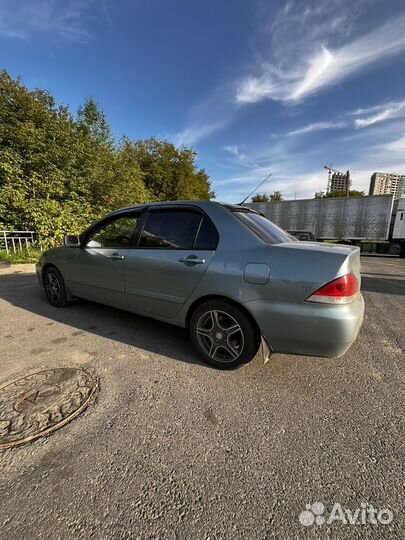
(265, 229)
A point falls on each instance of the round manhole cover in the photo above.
(40, 403)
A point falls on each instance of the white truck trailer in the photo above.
(375, 223)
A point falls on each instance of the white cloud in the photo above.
(395, 148)
(316, 126)
(67, 19)
(299, 185)
(382, 113)
(390, 155)
(298, 167)
(234, 149)
(312, 67)
(368, 110)
(310, 46)
(196, 133)
(207, 117)
(237, 153)
(238, 157)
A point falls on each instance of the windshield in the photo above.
(265, 229)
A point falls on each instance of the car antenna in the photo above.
(256, 188)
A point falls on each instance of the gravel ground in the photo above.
(174, 449)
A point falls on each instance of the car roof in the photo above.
(141, 207)
(199, 204)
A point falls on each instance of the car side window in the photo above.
(207, 237)
(115, 234)
(168, 229)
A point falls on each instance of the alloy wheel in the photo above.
(52, 287)
(220, 335)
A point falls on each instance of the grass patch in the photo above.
(27, 256)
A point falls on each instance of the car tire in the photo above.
(223, 334)
(55, 289)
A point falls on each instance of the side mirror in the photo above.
(71, 240)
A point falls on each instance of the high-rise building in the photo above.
(340, 182)
(387, 184)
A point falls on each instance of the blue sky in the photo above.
(254, 86)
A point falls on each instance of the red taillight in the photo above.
(339, 291)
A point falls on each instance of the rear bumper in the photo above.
(308, 329)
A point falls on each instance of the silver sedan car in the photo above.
(233, 278)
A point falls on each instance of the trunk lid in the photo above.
(298, 269)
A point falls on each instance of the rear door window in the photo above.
(168, 229)
(207, 237)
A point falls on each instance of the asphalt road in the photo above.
(173, 449)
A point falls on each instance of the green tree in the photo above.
(171, 173)
(92, 120)
(319, 195)
(261, 197)
(58, 172)
(333, 194)
(276, 196)
(40, 182)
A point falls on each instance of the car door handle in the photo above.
(116, 257)
(191, 260)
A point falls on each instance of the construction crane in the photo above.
(330, 171)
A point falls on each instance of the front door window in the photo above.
(115, 234)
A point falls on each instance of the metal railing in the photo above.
(16, 240)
